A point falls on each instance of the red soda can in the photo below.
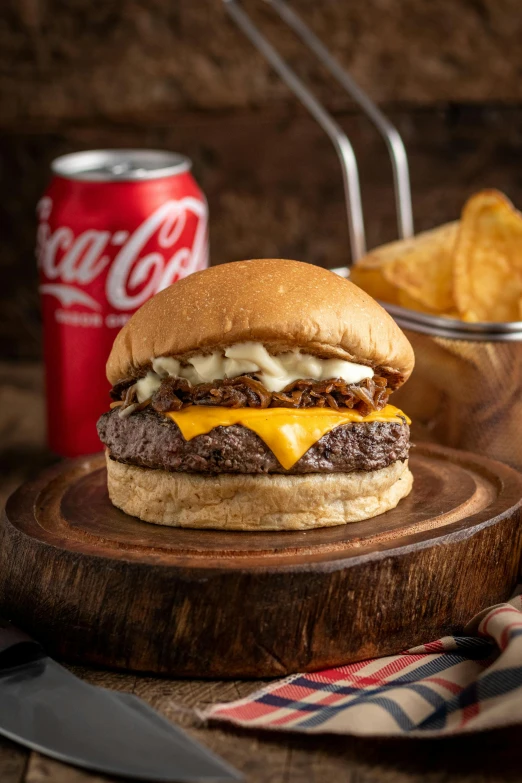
(115, 227)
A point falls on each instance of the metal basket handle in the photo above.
(395, 145)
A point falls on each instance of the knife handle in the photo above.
(16, 647)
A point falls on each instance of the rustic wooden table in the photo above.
(489, 757)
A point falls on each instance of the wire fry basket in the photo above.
(466, 389)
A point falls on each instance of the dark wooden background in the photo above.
(177, 74)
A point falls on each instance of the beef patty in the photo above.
(149, 439)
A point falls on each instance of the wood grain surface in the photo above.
(489, 757)
(97, 586)
(63, 61)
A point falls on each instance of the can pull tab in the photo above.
(126, 168)
(16, 647)
(117, 169)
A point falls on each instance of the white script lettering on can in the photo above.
(69, 262)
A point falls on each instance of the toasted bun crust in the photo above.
(283, 304)
(248, 502)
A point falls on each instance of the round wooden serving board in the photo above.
(97, 586)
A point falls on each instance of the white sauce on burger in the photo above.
(274, 372)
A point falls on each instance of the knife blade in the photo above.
(47, 708)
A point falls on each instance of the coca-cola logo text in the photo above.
(69, 262)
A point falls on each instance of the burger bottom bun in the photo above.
(253, 502)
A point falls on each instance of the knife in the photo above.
(47, 708)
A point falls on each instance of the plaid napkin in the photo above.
(456, 684)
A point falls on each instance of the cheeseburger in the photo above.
(254, 396)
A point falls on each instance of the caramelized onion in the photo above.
(265, 397)
(247, 391)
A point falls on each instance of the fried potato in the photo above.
(487, 263)
(367, 274)
(414, 273)
(421, 267)
(405, 300)
(470, 269)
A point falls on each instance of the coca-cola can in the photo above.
(115, 227)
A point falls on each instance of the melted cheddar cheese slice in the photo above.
(288, 432)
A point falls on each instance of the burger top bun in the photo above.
(280, 303)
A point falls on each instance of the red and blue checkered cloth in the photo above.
(456, 684)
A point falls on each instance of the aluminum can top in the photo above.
(120, 165)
